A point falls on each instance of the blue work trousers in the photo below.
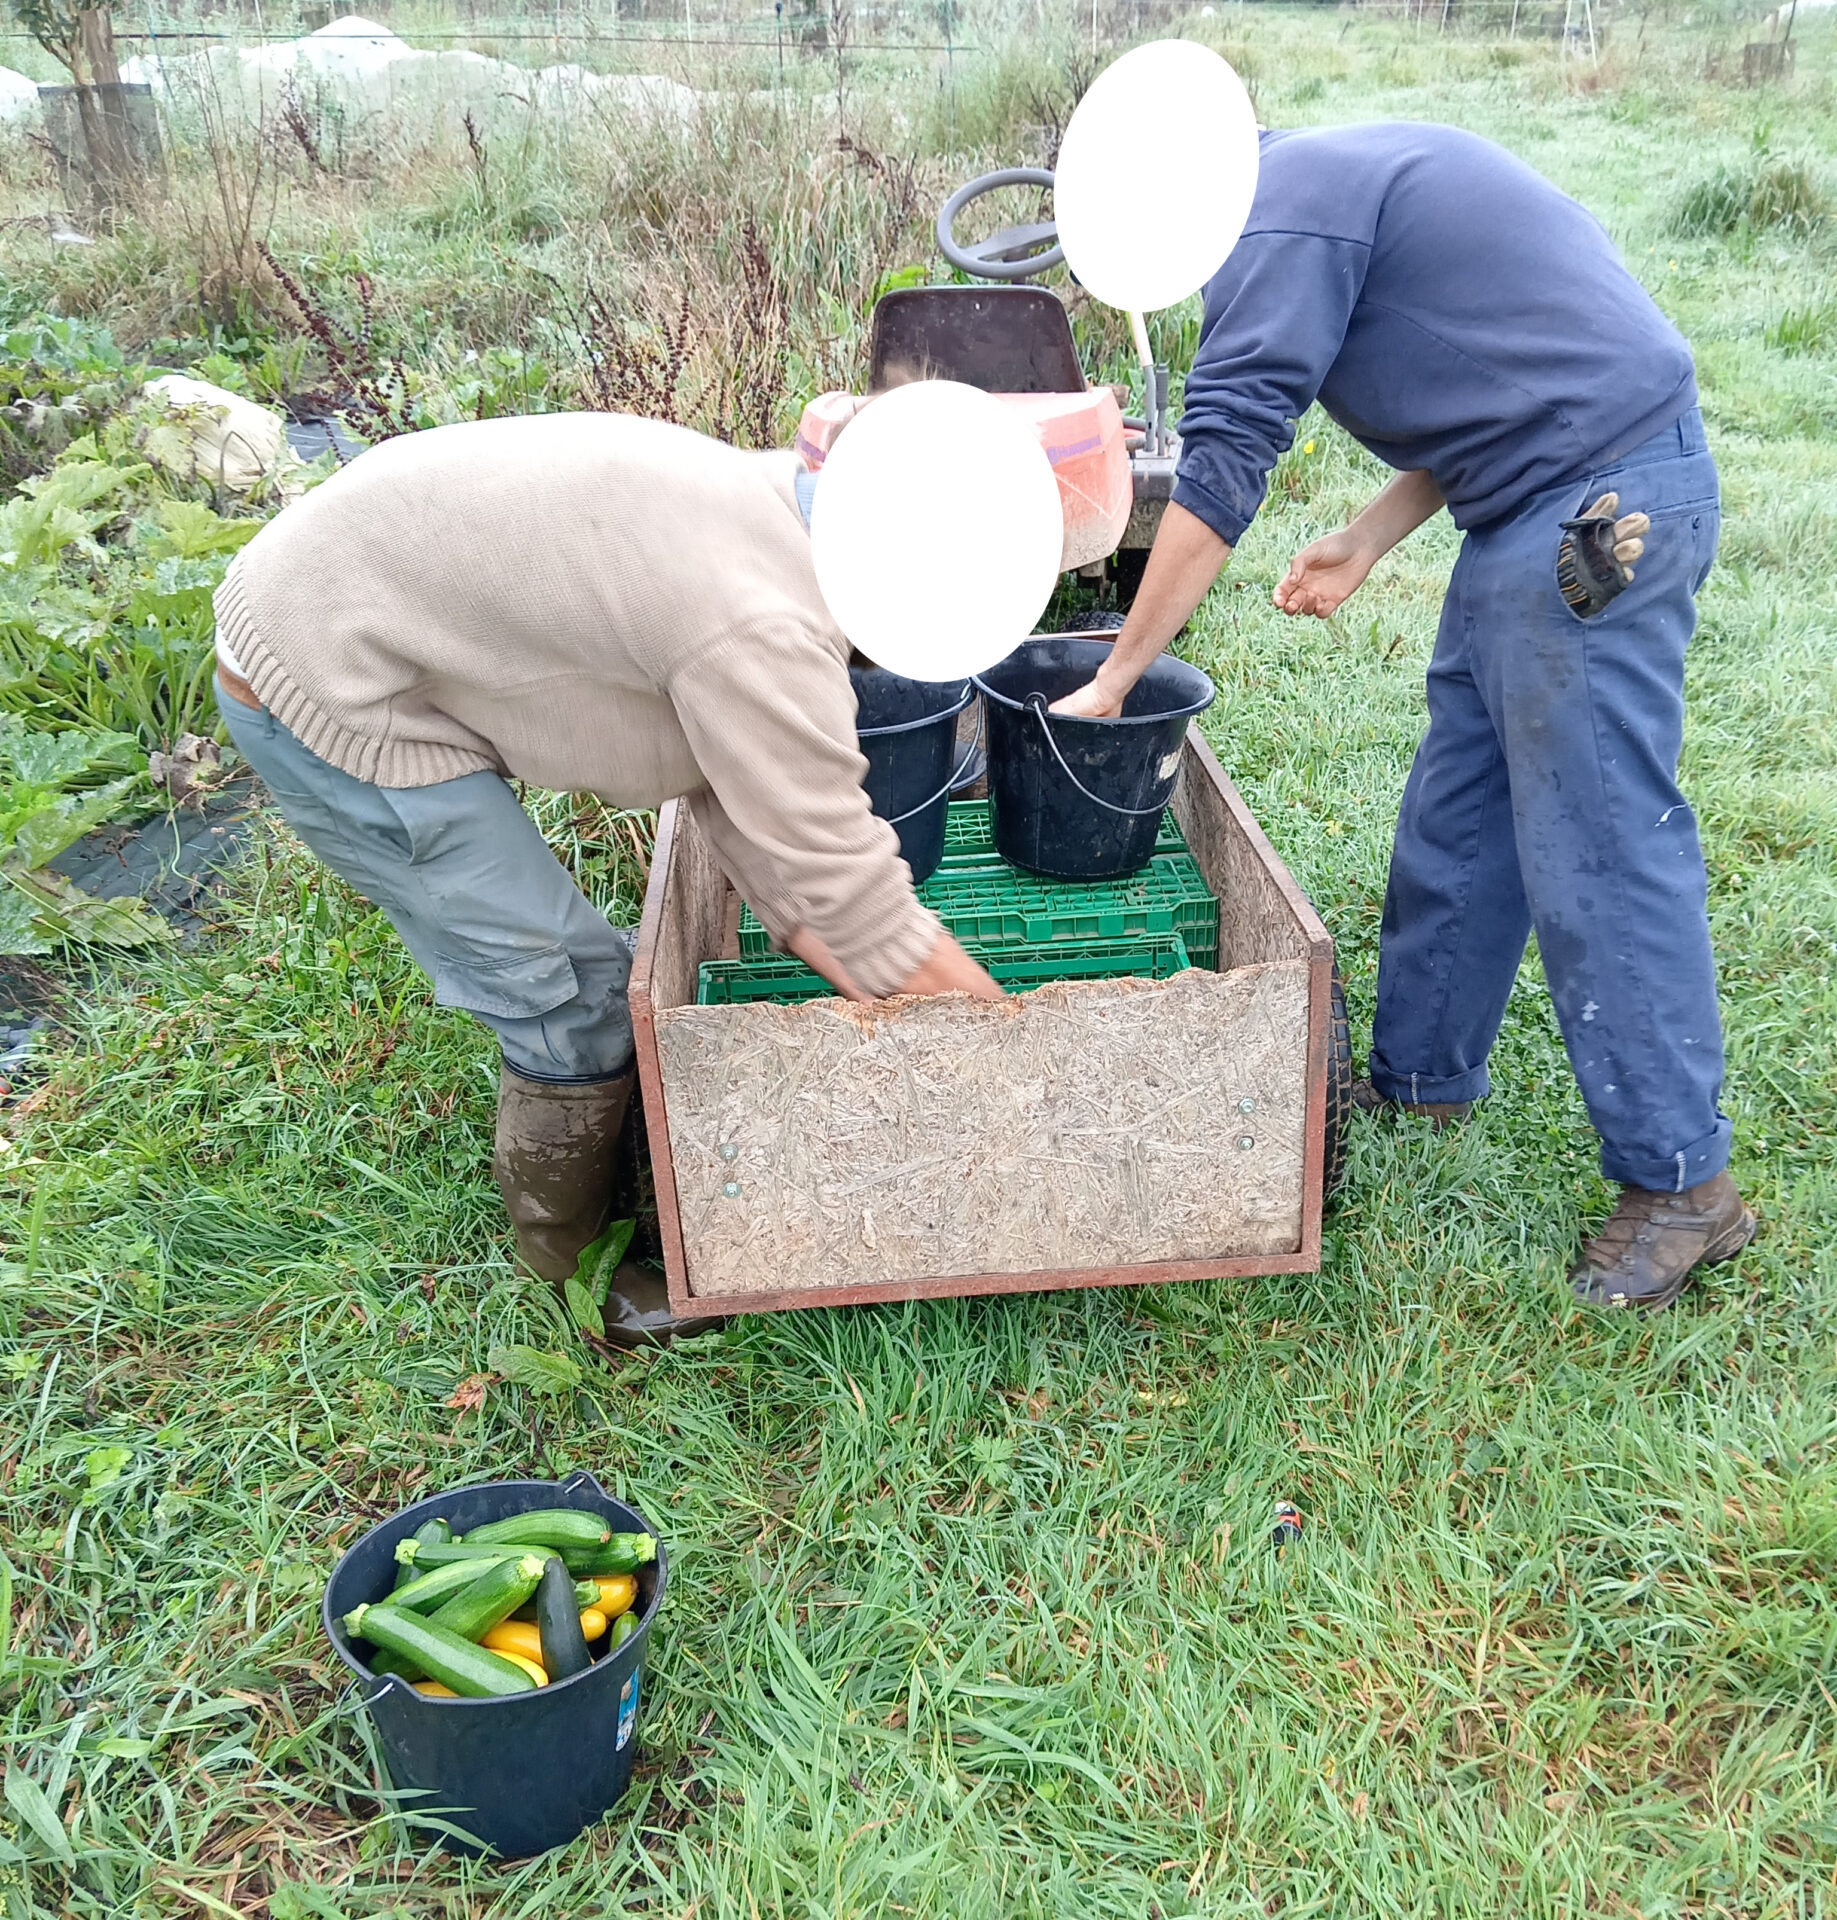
(1545, 796)
(493, 918)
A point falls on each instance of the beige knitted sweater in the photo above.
(590, 603)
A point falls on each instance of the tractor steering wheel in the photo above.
(1011, 254)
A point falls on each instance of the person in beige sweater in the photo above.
(585, 602)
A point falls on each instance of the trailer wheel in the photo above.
(1339, 1086)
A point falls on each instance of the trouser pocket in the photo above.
(523, 986)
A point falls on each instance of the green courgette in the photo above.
(427, 1591)
(623, 1553)
(564, 1646)
(495, 1595)
(383, 1661)
(454, 1661)
(430, 1533)
(622, 1630)
(547, 1527)
(442, 1554)
(586, 1594)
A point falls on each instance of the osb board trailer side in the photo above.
(1090, 1133)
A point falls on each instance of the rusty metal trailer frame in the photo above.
(1263, 915)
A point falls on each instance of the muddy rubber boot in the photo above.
(1440, 1114)
(1653, 1242)
(638, 1312)
(553, 1161)
(554, 1167)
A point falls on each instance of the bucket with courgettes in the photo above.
(499, 1636)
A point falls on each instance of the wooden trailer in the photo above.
(1089, 1133)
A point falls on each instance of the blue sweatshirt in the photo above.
(1446, 305)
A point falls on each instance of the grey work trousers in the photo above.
(489, 913)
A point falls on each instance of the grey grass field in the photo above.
(974, 1606)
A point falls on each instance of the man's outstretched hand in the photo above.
(1325, 574)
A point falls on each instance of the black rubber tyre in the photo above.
(1339, 1088)
(1100, 620)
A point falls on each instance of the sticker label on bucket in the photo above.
(1169, 766)
(628, 1712)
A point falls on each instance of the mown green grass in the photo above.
(975, 1610)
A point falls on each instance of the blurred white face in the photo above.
(936, 479)
(1156, 174)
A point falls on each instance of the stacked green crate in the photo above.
(969, 835)
(781, 978)
(1024, 928)
(999, 906)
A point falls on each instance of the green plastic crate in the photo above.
(780, 978)
(969, 836)
(999, 906)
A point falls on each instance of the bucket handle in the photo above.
(949, 785)
(1037, 701)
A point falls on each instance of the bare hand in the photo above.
(950, 970)
(946, 969)
(1324, 575)
(1090, 702)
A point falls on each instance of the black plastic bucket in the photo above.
(526, 1771)
(908, 730)
(1082, 799)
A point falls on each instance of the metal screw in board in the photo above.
(1245, 1142)
(1246, 1106)
(732, 1190)
(728, 1151)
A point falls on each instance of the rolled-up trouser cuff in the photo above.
(1427, 1089)
(565, 1079)
(1671, 1173)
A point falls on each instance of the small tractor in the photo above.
(1014, 341)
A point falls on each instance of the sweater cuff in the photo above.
(885, 939)
(1229, 523)
(883, 957)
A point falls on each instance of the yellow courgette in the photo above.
(618, 1593)
(529, 1666)
(515, 1636)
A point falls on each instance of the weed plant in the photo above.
(975, 1608)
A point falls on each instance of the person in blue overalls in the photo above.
(1477, 331)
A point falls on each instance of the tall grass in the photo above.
(1760, 195)
(976, 1611)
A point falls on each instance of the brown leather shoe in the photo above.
(1653, 1242)
(1439, 1113)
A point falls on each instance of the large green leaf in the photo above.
(20, 931)
(59, 910)
(70, 758)
(58, 821)
(190, 531)
(552, 1374)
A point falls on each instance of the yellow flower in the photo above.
(1309, 448)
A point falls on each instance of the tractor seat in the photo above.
(1001, 339)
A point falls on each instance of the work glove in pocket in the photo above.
(1594, 559)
